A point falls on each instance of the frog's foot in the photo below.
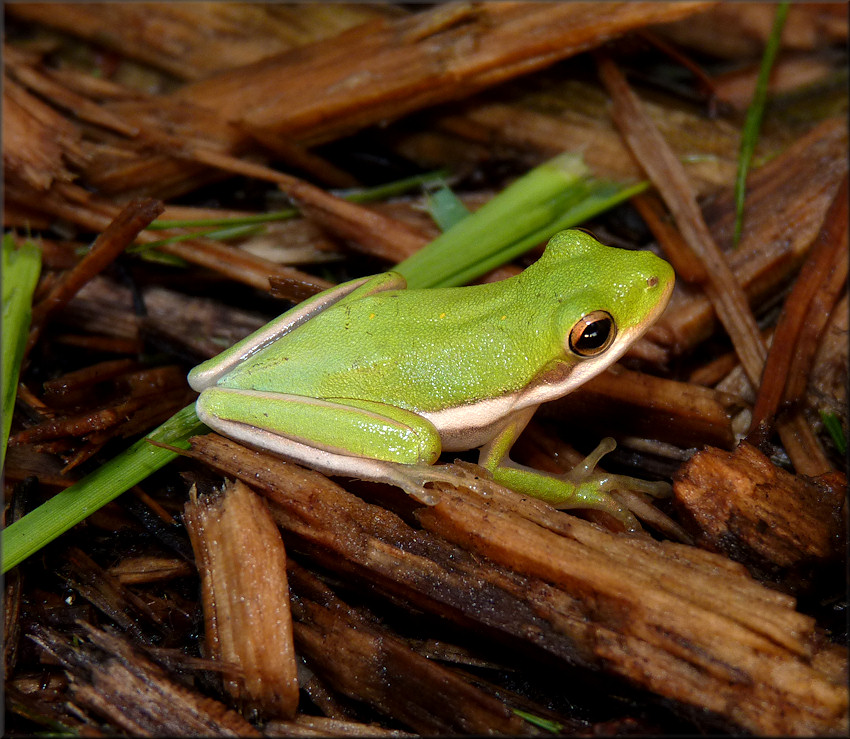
(412, 478)
(627, 491)
(561, 492)
(604, 481)
(582, 487)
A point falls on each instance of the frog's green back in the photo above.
(431, 349)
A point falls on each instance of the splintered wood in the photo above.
(781, 525)
(380, 616)
(124, 687)
(627, 605)
(242, 563)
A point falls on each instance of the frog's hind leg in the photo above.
(338, 436)
(208, 373)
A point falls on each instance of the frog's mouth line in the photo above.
(474, 424)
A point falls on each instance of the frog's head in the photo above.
(608, 298)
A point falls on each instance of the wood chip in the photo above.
(116, 237)
(345, 647)
(787, 199)
(685, 624)
(242, 563)
(133, 694)
(780, 525)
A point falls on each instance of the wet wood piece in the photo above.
(639, 404)
(111, 597)
(248, 623)
(782, 526)
(680, 622)
(72, 387)
(115, 682)
(164, 383)
(787, 199)
(116, 237)
(386, 69)
(346, 648)
(192, 41)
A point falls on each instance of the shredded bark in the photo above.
(38, 142)
(193, 42)
(787, 200)
(803, 319)
(242, 563)
(681, 413)
(382, 71)
(344, 647)
(577, 592)
(118, 235)
(783, 527)
(125, 688)
(667, 175)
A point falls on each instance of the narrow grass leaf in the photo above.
(21, 267)
(67, 508)
(755, 113)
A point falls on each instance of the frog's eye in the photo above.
(593, 334)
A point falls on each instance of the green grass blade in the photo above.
(546, 724)
(581, 202)
(67, 508)
(21, 268)
(755, 113)
(523, 207)
(365, 195)
(446, 208)
(832, 424)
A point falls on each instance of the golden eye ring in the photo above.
(593, 334)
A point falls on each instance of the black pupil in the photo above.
(595, 334)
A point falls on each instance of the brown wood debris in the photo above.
(782, 526)
(392, 68)
(804, 317)
(667, 175)
(355, 611)
(635, 608)
(678, 412)
(248, 625)
(125, 688)
(39, 144)
(332, 87)
(787, 199)
(193, 41)
(113, 240)
(344, 646)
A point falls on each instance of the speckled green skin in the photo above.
(373, 381)
(428, 350)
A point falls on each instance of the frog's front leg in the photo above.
(579, 488)
(338, 436)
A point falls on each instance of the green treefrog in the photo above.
(373, 381)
